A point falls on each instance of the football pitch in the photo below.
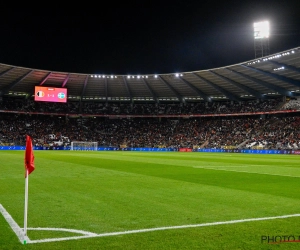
(150, 200)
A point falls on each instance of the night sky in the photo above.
(142, 38)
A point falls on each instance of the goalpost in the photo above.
(84, 145)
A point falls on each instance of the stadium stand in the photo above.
(242, 106)
(276, 131)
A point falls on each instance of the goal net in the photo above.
(84, 145)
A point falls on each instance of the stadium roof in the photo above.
(274, 75)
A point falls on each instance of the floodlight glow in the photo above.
(261, 30)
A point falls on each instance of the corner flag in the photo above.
(29, 167)
(29, 157)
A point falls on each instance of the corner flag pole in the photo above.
(29, 167)
(26, 207)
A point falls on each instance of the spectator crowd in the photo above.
(151, 125)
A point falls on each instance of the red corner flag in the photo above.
(29, 157)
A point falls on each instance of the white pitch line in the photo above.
(248, 172)
(166, 228)
(14, 226)
(19, 231)
(62, 230)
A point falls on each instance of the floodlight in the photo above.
(261, 39)
(261, 30)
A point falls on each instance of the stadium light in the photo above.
(261, 38)
(261, 30)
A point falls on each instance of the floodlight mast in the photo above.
(261, 39)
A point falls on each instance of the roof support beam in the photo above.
(220, 89)
(84, 87)
(150, 89)
(279, 77)
(171, 87)
(2, 74)
(285, 66)
(45, 79)
(127, 87)
(6, 71)
(198, 91)
(65, 81)
(241, 86)
(106, 90)
(271, 86)
(14, 83)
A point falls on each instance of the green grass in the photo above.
(105, 192)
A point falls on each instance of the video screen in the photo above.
(50, 94)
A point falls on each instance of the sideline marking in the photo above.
(229, 170)
(18, 230)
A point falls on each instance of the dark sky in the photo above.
(141, 37)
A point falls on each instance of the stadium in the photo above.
(188, 110)
(223, 171)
